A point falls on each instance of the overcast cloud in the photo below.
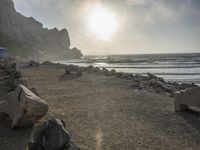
(145, 26)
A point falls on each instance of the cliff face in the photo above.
(26, 37)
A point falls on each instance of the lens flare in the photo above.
(102, 22)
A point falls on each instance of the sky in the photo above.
(124, 26)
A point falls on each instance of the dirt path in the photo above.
(103, 113)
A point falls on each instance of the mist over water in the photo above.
(183, 68)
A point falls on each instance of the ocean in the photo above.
(182, 68)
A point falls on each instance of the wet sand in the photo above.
(104, 113)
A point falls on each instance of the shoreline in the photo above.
(169, 86)
(183, 68)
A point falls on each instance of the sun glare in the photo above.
(102, 22)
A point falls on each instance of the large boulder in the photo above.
(51, 135)
(186, 98)
(24, 107)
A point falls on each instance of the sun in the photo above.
(102, 22)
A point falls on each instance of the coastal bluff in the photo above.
(26, 37)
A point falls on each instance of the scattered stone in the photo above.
(119, 74)
(24, 107)
(33, 63)
(51, 135)
(152, 76)
(14, 83)
(89, 68)
(105, 71)
(139, 77)
(96, 70)
(73, 69)
(188, 86)
(16, 75)
(136, 86)
(47, 63)
(113, 72)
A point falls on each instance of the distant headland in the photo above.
(26, 37)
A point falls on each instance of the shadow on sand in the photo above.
(192, 116)
(12, 138)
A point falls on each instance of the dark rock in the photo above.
(67, 72)
(137, 86)
(16, 75)
(152, 76)
(139, 77)
(69, 69)
(51, 135)
(127, 76)
(119, 74)
(47, 63)
(113, 72)
(13, 66)
(96, 70)
(14, 83)
(105, 71)
(33, 63)
(188, 86)
(90, 68)
(34, 91)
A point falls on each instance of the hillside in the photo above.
(26, 37)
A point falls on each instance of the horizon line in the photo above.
(145, 53)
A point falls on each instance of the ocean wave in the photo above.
(153, 67)
(174, 74)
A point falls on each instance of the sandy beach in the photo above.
(104, 113)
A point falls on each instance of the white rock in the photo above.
(24, 107)
(184, 99)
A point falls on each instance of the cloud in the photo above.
(145, 24)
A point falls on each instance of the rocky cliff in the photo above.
(26, 37)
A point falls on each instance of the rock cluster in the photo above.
(22, 105)
(69, 69)
(15, 76)
(25, 108)
(138, 82)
